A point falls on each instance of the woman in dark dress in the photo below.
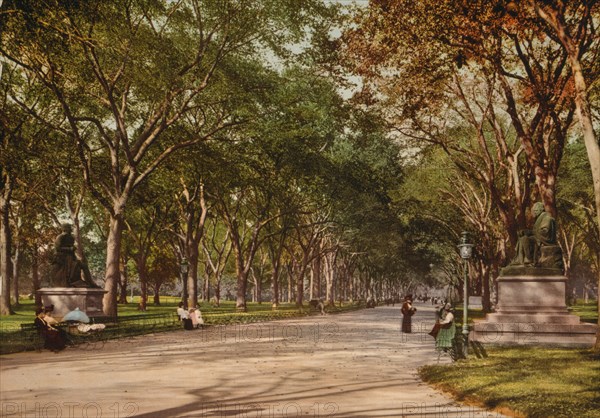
(407, 312)
(53, 340)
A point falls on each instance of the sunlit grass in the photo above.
(533, 381)
(588, 312)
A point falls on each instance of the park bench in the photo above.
(33, 339)
(115, 328)
(140, 324)
(31, 336)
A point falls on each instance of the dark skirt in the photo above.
(53, 340)
(406, 323)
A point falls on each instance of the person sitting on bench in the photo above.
(53, 338)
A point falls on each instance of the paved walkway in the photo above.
(356, 364)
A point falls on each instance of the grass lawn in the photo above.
(12, 339)
(532, 381)
(25, 313)
(588, 312)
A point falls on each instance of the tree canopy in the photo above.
(286, 144)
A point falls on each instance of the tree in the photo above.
(573, 25)
(194, 210)
(147, 220)
(125, 73)
(418, 54)
(577, 211)
(216, 246)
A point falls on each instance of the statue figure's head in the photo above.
(67, 228)
(537, 209)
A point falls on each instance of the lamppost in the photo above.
(466, 250)
(183, 266)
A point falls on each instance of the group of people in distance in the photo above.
(191, 318)
(443, 330)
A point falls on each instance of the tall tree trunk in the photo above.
(192, 283)
(16, 264)
(5, 248)
(275, 286)
(597, 345)
(329, 280)
(35, 274)
(206, 287)
(300, 287)
(485, 295)
(156, 298)
(315, 289)
(218, 290)
(143, 305)
(259, 289)
(242, 270)
(113, 272)
(123, 282)
(290, 286)
(141, 262)
(241, 273)
(242, 285)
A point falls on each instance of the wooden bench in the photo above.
(140, 324)
(115, 328)
(31, 336)
(34, 339)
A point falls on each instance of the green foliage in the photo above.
(575, 198)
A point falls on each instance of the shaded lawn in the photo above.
(532, 381)
(588, 312)
(12, 339)
(226, 312)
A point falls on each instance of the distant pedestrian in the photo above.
(408, 310)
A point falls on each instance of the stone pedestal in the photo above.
(531, 310)
(66, 299)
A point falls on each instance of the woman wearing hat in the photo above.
(443, 340)
(53, 339)
(407, 312)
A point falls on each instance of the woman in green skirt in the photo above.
(443, 340)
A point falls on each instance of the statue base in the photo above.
(531, 310)
(66, 299)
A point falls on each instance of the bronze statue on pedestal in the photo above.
(538, 247)
(66, 267)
